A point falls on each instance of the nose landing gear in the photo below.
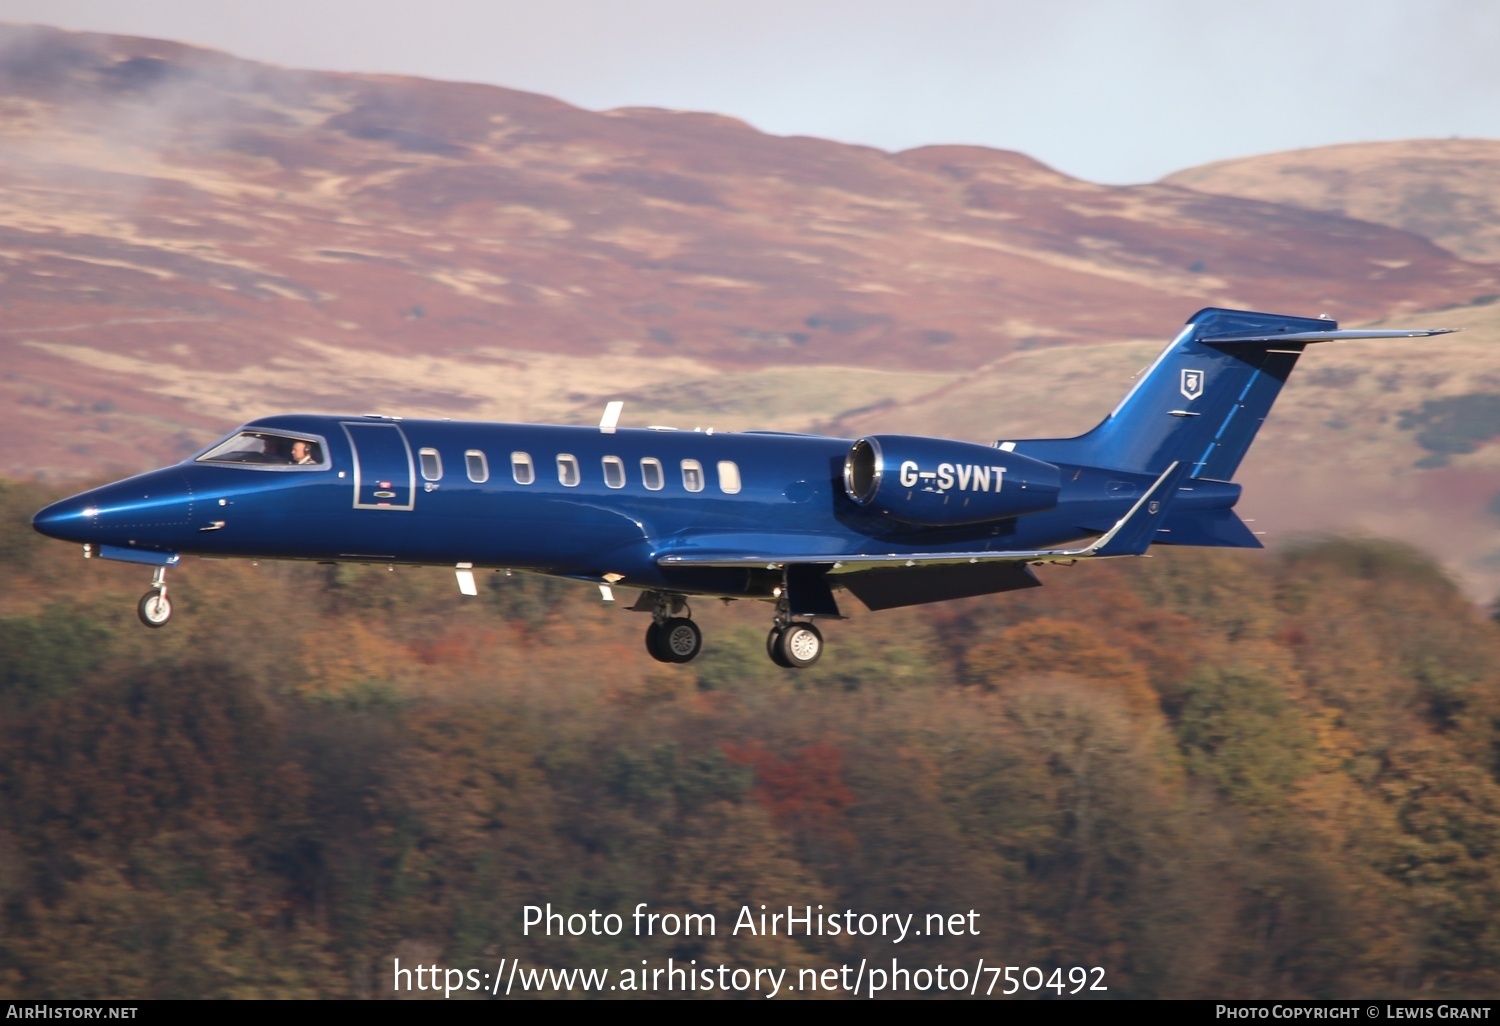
(154, 608)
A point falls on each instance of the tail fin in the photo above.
(1204, 398)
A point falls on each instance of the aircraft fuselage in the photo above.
(787, 490)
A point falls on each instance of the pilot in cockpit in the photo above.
(304, 454)
(273, 450)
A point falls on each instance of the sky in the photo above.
(1114, 91)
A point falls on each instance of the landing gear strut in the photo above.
(672, 638)
(154, 608)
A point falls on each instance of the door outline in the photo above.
(411, 471)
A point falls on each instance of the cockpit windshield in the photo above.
(269, 450)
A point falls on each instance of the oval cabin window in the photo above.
(521, 468)
(614, 472)
(651, 474)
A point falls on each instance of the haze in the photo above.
(1105, 90)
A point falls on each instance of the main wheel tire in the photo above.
(653, 643)
(773, 648)
(800, 645)
(680, 640)
(154, 609)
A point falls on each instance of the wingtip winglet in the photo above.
(1132, 534)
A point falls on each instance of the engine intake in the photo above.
(935, 482)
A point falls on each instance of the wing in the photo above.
(1130, 536)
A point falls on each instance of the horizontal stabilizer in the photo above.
(1320, 336)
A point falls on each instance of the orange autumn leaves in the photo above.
(1047, 647)
(1220, 774)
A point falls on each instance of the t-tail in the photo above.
(1203, 400)
(1197, 409)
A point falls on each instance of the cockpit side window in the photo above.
(270, 450)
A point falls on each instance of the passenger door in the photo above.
(384, 477)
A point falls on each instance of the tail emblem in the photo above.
(1192, 384)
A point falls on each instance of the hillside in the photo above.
(188, 240)
(1446, 190)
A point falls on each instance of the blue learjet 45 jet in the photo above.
(895, 520)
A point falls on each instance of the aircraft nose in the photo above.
(73, 519)
(142, 507)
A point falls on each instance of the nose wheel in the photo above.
(154, 608)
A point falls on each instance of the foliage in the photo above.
(47, 654)
(18, 543)
(1216, 774)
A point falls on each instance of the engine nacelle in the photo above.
(939, 483)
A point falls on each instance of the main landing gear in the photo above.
(675, 640)
(154, 608)
(673, 637)
(793, 644)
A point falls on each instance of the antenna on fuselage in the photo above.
(611, 418)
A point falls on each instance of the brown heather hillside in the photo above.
(1446, 190)
(188, 240)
